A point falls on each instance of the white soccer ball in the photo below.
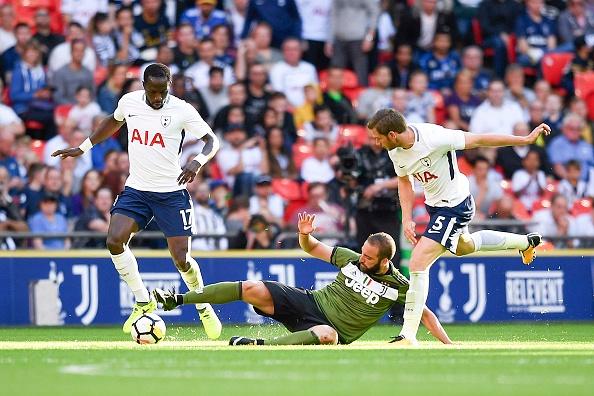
(148, 329)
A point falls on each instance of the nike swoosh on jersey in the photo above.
(430, 231)
(132, 115)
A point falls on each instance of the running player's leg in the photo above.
(190, 272)
(120, 231)
(487, 240)
(423, 255)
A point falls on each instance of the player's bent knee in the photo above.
(326, 334)
(252, 288)
(115, 243)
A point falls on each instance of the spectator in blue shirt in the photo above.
(28, 80)
(154, 27)
(12, 56)
(204, 17)
(7, 160)
(441, 64)
(281, 15)
(48, 221)
(535, 33)
(570, 146)
(472, 61)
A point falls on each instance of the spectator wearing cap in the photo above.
(47, 221)
(290, 75)
(282, 16)
(353, 32)
(208, 221)
(419, 23)
(317, 168)
(570, 146)
(215, 93)
(204, 17)
(200, 70)
(266, 202)
(47, 39)
(241, 159)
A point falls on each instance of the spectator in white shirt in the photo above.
(318, 168)
(61, 56)
(573, 187)
(241, 159)
(85, 109)
(376, 96)
(495, 114)
(266, 202)
(555, 221)
(323, 125)
(529, 183)
(7, 20)
(315, 15)
(198, 72)
(292, 74)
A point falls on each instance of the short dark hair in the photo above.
(215, 70)
(123, 9)
(386, 120)
(157, 70)
(77, 41)
(82, 88)
(313, 185)
(573, 163)
(76, 25)
(385, 244)
(319, 108)
(480, 158)
(21, 25)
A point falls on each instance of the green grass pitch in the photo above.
(496, 359)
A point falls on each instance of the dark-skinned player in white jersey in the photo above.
(155, 189)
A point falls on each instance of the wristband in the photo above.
(86, 145)
(201, 158)
(179, 299)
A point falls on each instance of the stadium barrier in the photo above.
(82, 287)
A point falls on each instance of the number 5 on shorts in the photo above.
(437, 225)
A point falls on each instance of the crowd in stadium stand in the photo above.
(285, 84)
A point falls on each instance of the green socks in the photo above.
(304, 337)
(217, 293)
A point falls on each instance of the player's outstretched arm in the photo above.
(491, 140)
(308, 243)
(432, 324)
(106, 128)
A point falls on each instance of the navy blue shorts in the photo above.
(173, 211)
(447, 224)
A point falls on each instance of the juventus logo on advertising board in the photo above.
(477, 291)
(89, 289)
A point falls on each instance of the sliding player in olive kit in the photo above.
(366, 287)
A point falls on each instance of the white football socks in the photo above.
(488, 240)
(415, 303)
(193, 278)
(126, 265)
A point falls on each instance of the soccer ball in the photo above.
(148, 329)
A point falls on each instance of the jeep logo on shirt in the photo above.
(370, 297)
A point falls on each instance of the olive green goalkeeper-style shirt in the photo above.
(355, 301)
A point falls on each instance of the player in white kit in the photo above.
(427, 153)
(156, 187)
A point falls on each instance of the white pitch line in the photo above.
(587, 348)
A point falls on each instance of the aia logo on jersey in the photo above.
(147, 139)
(165, 121)
(426, 161)
(424, 177)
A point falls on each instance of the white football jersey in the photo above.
(155, 139)
(432, 162)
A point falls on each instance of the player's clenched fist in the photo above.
(305, 223)
(69, 152)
